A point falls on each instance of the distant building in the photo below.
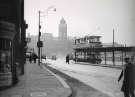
(63, 30)
(47, 36)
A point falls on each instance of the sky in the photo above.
(84, 17)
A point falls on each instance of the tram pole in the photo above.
(40, 43)
(113, 59)
(39, 34)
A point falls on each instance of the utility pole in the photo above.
(113, 59)
(40, 43)
(75, 50)
(125, 51)
(39, 34)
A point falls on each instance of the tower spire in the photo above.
(63, 29)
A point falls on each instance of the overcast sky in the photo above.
(85, 17)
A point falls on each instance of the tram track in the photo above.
(78, 88)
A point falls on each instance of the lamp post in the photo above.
(40, 43)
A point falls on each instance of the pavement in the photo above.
(38, 81)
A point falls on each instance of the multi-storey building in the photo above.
(12, 41)
(63, 30)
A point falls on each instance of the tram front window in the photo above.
(5, 61)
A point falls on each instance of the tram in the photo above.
(82, 52)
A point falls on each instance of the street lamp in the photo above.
(40, 43)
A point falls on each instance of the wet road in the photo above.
(103, 79)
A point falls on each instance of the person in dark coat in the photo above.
(34, 57)
(30, 58)
(128, 73)
(67, 59)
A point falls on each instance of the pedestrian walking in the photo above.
(30, 58)
(67, 59)
(34, 57)
(128, 73)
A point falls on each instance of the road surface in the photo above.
(103, 79)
